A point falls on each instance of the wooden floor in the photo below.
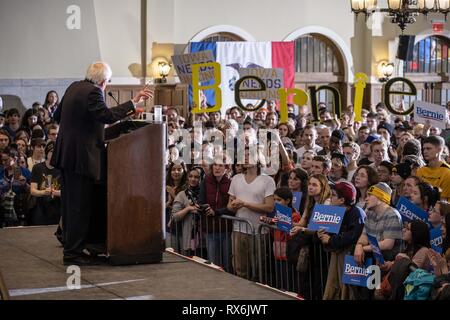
(31, 264)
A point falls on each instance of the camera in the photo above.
(203, 208)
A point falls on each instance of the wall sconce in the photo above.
(387, 69)
(163, 70)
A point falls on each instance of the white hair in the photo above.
(98, 72)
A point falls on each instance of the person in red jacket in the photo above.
(213, 200)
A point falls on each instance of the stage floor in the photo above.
(31, 263)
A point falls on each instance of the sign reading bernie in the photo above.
(326, 217)
(409, 211)
(435, 114)
(354, 274)
(284, 217)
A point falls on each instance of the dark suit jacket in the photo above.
(82, 114)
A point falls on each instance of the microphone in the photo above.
(112, 96)
(128, 117)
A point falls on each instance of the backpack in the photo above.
(418, 285)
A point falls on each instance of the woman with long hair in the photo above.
(363, 179)
(319, 192)
(29, 120)
(175, 182)
(424, 195)
(298, 182)
(416, 240)
(51, 102)
(311, 256)
(185, 209)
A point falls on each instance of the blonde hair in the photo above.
(98, 72)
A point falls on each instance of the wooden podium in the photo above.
(135, 192)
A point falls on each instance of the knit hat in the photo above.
(402, 169)
(412, 146)
(341, 157)
(372, 137)
(382, 191)
(387, 126)
(345, 190)
(338, 133)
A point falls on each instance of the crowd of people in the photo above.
(29, 185)
(365, 166)
(217, 202)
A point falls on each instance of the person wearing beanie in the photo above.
(382, 222)
(366, 152)
(336, 141)
(386, 131)
(412, 147)
(343, 194)
(339, 164)
(45, 190)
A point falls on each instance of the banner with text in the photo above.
(272, 78)
(409, 211)
(297, 200)
(354, 274)
(436, 239)
(436, 114)
(283, 215)
(375, 249)
(183, 65)
(326, 217)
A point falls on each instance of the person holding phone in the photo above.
(45, 189)
(14, 188)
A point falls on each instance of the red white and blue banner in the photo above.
(233, 56)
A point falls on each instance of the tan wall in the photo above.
(35, 42)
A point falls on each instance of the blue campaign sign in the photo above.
(436, 239)
(375, 249)
(284, 216)
(409, 211)
(354, 274)
(296, 200)
(326, 217)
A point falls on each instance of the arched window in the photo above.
(429, 68)
(318, 62)
(223, 36)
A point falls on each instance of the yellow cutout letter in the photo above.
(300, 99)
(215, 86)
(360, 84)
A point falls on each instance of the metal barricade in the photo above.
(232, 243)
(234, 251)
(280, 270)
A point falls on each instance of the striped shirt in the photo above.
(385, 226)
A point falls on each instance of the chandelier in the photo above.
(402, 12)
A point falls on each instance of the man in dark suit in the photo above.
(82, 115)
